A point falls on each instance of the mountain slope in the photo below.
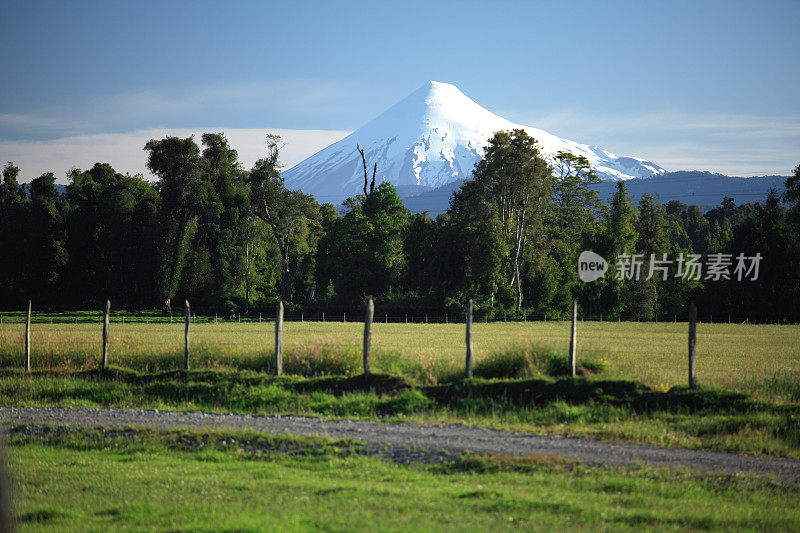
(430, 138)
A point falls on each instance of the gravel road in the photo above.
(409, 442)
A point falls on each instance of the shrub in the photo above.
(323, 360)
(529, 361)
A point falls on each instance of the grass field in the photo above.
(753, 358)
(518, 367)
(748, 402)
(153, 482)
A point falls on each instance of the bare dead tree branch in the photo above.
(364, 161)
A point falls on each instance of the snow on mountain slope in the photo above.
(432, 137)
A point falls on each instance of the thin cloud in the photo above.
(740, 145)
(125, 151)
(666, 121)
(246, 103)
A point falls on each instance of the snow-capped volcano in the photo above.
(432, 137)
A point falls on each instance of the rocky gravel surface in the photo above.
(413, 442)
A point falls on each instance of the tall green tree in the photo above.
(419, 247)
(677, 292)
(11, 192)
(13, 211)
(775, 294)
(792, 184)
(290, 215)
(472, 246)
(573, 218)
(576, 206)
(215, 270)
(179, 168)
(44, 255)
(365, 245)
(654, 246)
(618, 238)
(792, 196)
(515, 180)
(112, 229)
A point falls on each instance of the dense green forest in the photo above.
(227, 238)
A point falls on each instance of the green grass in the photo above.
(155, 481)
(628, 394)
(608, 409)
(749, 402)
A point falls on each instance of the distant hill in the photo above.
(703, 189)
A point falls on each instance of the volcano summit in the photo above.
(432, 137)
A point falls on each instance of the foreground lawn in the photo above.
(760, 359)
(152, 481)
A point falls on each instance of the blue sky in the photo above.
(690, 85)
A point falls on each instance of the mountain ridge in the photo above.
(701, 188)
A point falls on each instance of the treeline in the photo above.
(231, 239)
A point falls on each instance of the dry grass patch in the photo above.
(738, 357)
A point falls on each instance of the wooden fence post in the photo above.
(106, 320)
(468, 370)
(692, 343)
(368, 334)
(186, 338)
(279, 339)
(28, 339)
(573, 337)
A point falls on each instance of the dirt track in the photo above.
(407, 442)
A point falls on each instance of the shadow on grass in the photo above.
(619, 393)
(221, 380)
(249, 390)
(737, 422)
